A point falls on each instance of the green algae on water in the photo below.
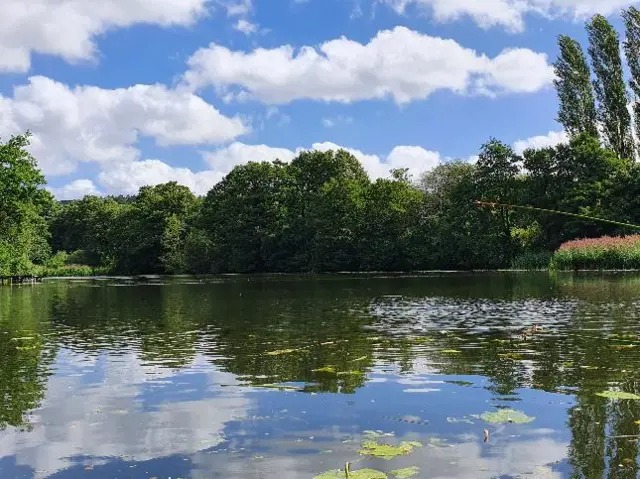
(406, 472)
(358, 474)
(387, 451)
(618, 395)
(280, 352)
(506, 416)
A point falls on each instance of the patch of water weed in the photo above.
(326, 369)
(281, 352)
(388, 451)
(405, 472)
(506, 416)
(512, 356)
(357, 474)
(618, 395)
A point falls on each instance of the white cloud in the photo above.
(91, 124)
(68, 28)
(224, 159)
(245, 26)
(338, 120)
(127, 178)
(508, 13)
(415, 158)
(400, 63)
(236, 7)
(551, 139)
(74, 190)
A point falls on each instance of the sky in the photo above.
(125, 93)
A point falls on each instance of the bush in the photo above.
(57, 260)
(70, 271)
(599, 253)
(532, 261)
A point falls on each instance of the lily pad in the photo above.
(387, 451)
(618, 395)
(326, 369)
(280, 352)
(405, 472)
(358, 474)
(506, 416)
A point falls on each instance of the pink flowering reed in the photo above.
(602, 243)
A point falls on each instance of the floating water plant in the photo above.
(326, 369)
(281, 352)
(406, 472)
(506, 416)
(618, 395)
(387, 451)
(349, 474)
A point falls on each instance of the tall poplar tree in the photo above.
(631, 18)
(577, 111)
(609, 86)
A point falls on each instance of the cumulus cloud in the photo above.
(508, 13)
(400, 63)
(128, 177)
(245, 26)
(68, 28)
(551, 139)
(91, 124)
(76, 189)
(415, 158)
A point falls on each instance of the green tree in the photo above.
(244, 218)
(497, 180)
(604, 49)
(392, 234)
(577, 110)
(318, 176)
(145, 229)
(631, 18)
(23, 204)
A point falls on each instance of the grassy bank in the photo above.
(598, 254)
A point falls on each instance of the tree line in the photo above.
(322, 213)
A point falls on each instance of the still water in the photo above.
(287, 377)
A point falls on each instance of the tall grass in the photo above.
(598, 253)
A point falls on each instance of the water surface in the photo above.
(287, 377)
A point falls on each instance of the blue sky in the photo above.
(131, 92)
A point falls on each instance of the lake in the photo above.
(443, 375)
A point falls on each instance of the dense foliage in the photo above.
(322, 213)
